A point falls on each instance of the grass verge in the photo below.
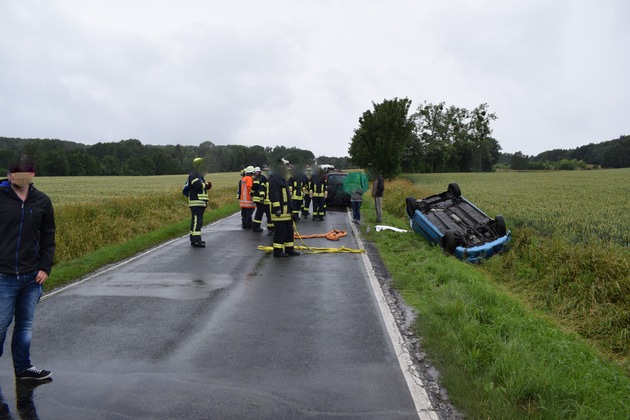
(499, 356)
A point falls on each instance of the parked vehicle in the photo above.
(337, 196)
(458, 226)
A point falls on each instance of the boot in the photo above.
(292, 252)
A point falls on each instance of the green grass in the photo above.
(538, 332)
(497, 358)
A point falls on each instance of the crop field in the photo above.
(570, 253)
(580, 206)
(93, 212)
(93, 189)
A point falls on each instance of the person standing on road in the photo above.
(245, 198)
(27, 249)
(359, 185)
(280, 196)
(261, 199)
(306, 186)
(297, 191)
(318, 194)
(196, 189)
(377, 192)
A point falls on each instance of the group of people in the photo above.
(275, 194)
(281, 198)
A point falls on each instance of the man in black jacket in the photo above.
(27, 248)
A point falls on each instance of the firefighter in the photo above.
(297, 192)
(245, 198)
(318, 194)
(197, 191)
(306, 186)
(281, 213)
(261, 199)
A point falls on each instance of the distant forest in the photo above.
(130, 157)
(608, 154)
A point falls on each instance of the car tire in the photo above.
(454, 189)
(448, 242)
(412, 206)
(500, 222)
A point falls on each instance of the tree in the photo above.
(519, 161)
(382, 137)
(432, 131)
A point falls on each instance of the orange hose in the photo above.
(333, 235)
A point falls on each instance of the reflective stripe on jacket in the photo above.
(296, 188)
(245, 197)
(197, 191)
(318, 188)
(280, 200)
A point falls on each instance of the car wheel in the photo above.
(500, 221)
(454, 189)
(448, 242)
(412, 206)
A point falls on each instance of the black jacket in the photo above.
(27, 231)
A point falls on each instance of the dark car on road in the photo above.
(336, 194)
(458, 226)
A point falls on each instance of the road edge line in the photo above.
(417, 389)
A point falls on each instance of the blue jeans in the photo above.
(356, 210)
(18, 297)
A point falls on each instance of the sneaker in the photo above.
(33, 373)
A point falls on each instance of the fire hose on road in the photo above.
(332, 235)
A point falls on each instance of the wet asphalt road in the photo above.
(221, 332)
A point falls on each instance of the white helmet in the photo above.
(257, 169)
(249, 169)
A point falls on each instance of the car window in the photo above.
(335, 179)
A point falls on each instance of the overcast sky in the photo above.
(301, 73)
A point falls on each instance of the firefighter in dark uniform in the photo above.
(306, 186)
(261, 199)
(283, 245)
(318, 194)
(297, 192)
(197, 201)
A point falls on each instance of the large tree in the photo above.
(383, 137)
(453, 139)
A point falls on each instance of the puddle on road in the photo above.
(160, 285)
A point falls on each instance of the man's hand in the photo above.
(41, 277)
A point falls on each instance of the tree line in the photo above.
(391, 139)
(130, 157)
(608, 154)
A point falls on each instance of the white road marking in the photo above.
(416, 387)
